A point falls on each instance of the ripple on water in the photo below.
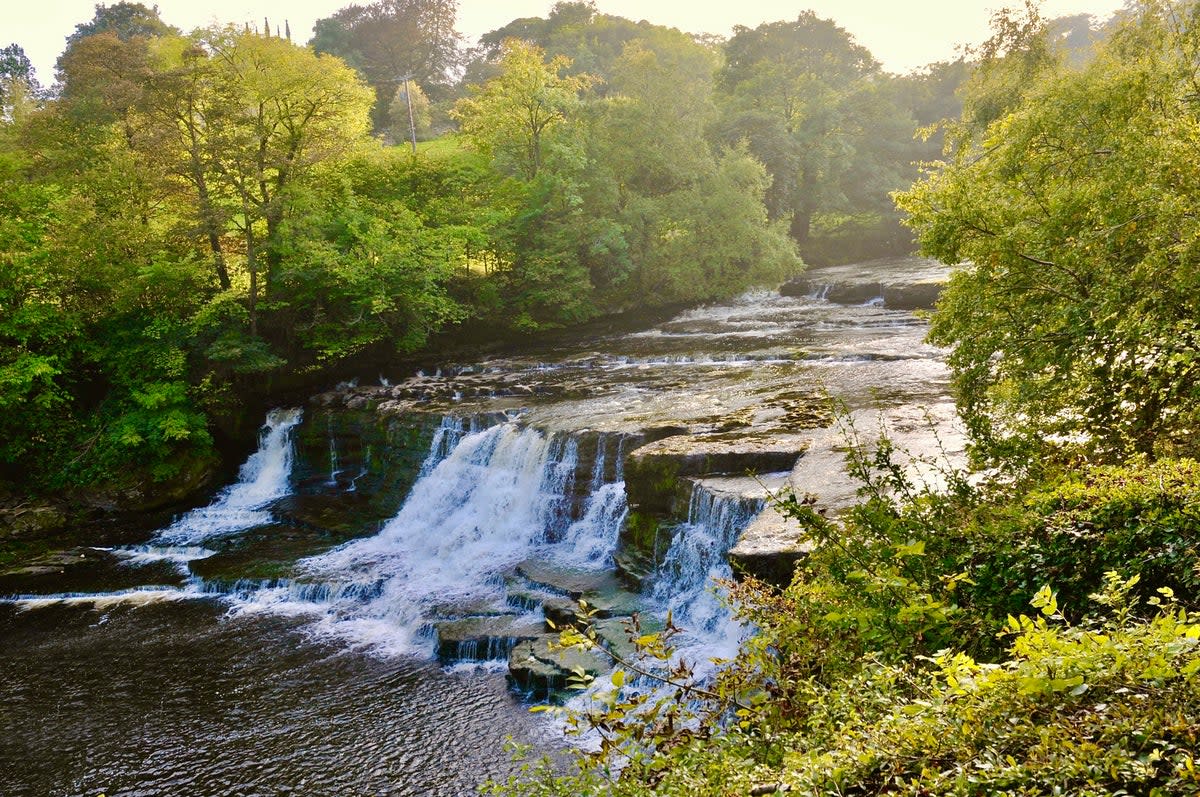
(169, 699)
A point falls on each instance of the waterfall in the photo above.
(263, 478)
(695, 559)
(591, 540)
(334, 465)
(500, 496)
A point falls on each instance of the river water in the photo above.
(135, 675)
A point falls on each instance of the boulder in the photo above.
(539, 667)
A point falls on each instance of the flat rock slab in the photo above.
(484, 638)
(653, 473)
(614, 634)
(559, 590)
(566, 580)
(732, 455)
(264, 553)
(772, 544)
(343, 516)
(540, 668)
(84, 570)
(902, 283)
(770, 547)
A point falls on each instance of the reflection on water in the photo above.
(170, 691)
(169, 699)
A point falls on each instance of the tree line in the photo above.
(191, 220)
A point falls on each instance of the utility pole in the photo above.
(412, 126)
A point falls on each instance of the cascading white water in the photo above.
(262, 479)
(492, 502)
(591, 540)
(696, 559)
(334, 464)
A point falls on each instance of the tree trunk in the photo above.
(252, 266)
(208, 219)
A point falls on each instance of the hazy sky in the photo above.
(903, 34)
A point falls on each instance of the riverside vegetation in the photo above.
(196, 220)
(1032, 629)
(192, 223)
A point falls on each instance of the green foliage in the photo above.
(526, 116)
(857, 681)
(1074, 320)
(613, 195)
(813, 107)
(363, 273)
(124, 20)
(388, 39)
(1139, 519)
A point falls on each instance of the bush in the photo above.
(898, 660)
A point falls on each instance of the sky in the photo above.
(902, 34)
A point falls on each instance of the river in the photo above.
(343, 618)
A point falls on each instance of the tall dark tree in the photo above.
(389, 39)
(789, 85)
(16, 77)
(15, 64)
(594, 42)
(124, 20)
(104, 69)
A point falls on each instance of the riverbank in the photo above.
(451, 516)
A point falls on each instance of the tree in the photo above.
(126, 21)
(407, 121)
(526, 112)
(795, 95)
(389, 39)
(18, 86)
(1075, 319)
(276, 110)
(180, 104)
(661, 104)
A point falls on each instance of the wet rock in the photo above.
(653, 473)
(263, 554)
(618, 634)
(30, 521)
(641, 544)
(919, 296)
(357, 455)
(559, 611)
(483, 638)
(655, 433)
(769, 548)
(83, 570)
(539, 668)
(603, 590)
(329, 398)
(897, 284)
(342, 516)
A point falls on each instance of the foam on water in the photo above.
(262, 479)
(141, 596)
(500, 496)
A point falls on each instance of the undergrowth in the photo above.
(1019, 638)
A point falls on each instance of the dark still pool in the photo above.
(169, 697)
